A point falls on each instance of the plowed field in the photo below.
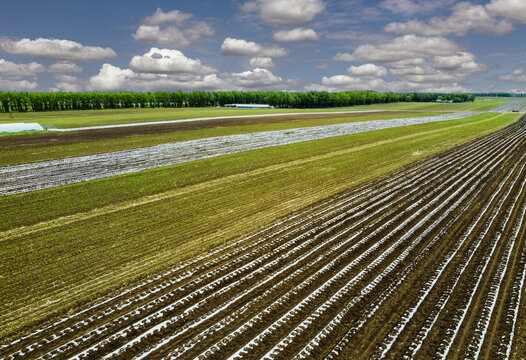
(429, 262)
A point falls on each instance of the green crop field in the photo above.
(48, 150)
(65, 247)
(71, 119)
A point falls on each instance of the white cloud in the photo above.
(113, 78)
(167, 36)
(512, 9)
(160, 17)
(368, 71)
(417, 64)
(285, 12)
(14, 69)
(346, 82)
(17, 85)
(176, 33)
(437, 69)
(401, 48)
(298, 34)
(64, 67)
(322, 66)
(240, 47)
(465, 17)
(68, 83)
(261, 62)
(461, 62)
(165, 61)
(410, 62)
(518, 76)
(257, 78)
(55, 49)
(411, 7)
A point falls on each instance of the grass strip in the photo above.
(71, 119)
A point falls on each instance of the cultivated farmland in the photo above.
(41, 175)
(427, 262)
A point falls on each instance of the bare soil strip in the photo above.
(41, 175)
(426, 263)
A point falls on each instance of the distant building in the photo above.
(249, 106)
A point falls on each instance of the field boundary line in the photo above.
(69, 219)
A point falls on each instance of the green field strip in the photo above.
(71, 119)
(20, 210)
(50, 152)
(84, 240)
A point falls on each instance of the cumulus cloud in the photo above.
(14, 69)
(160, 17)
(438, 69)
(165, 61)
(345, 83)
(113, 78)
(298, 34)
(258, 79)
(18, 85)
(368, 71)
(401, 48)
(261, 62)
(172, 28)
(240, 47)
(465, 17)
(55, 49)
(63, 67)
(68, 83)
(285, 12)
(363, 77)
(462, 62)
(168, 36)
(417, 64)
(518, 76)
(512, 9)
(411, 7)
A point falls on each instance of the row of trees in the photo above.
(59, 101)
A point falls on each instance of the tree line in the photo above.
(61, 101)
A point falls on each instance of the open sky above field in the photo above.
(384, 45)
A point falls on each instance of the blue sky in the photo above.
(385, 45)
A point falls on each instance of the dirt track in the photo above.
(429, 262)
(46, 174)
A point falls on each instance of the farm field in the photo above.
(512, 106)
(73, 119)
(149, 222)
(41, 175)
(18, 149)
(425, 262)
